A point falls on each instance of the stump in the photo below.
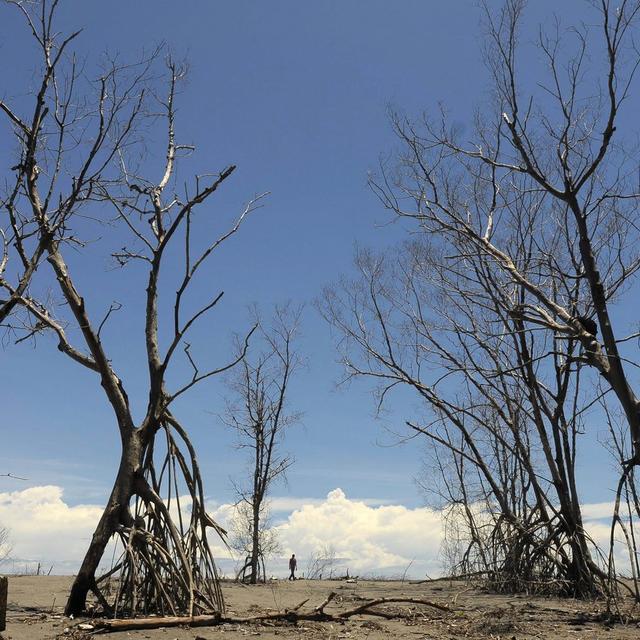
(4, 587)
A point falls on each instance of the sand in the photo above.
(36, 603)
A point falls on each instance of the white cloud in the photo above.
(597, 510)
(42, 527)
(380, 540)
(287, 504)
(375, 539)
(368, 537)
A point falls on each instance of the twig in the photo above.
(10, 475)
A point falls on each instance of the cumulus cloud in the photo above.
(43, 527)
(280, 504)
(381, 539)
(368, 537)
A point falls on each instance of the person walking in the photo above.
(293, 565)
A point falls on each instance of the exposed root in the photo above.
(166, 566)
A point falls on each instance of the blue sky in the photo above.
(296, 94)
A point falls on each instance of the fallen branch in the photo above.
(157, 621)
(364, 608)
(328, 599)
(317, 614)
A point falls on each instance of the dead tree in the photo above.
(259, 415)
(5, 545)
(563, 147)
(501, 319)
(242, 539)
(500, 414)
(166, 565)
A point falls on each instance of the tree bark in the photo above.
(116, 513)
(255, 543)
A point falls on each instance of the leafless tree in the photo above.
(5, 545)
(322, 562)
(76, 149)
(259, 414)
(242, 540)
(503, 418)
(525, 235)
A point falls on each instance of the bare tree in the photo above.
(526, 234)
(322, 562)
(5, 545)
(501, 436)
(242, 539)
(259, 414)
(77, 150)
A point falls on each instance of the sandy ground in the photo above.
(35, 613)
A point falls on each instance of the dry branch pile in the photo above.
(290, 616)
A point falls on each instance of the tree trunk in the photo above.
(255, 543)
(116, 513)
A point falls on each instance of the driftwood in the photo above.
(158, 621)
(294, 615)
